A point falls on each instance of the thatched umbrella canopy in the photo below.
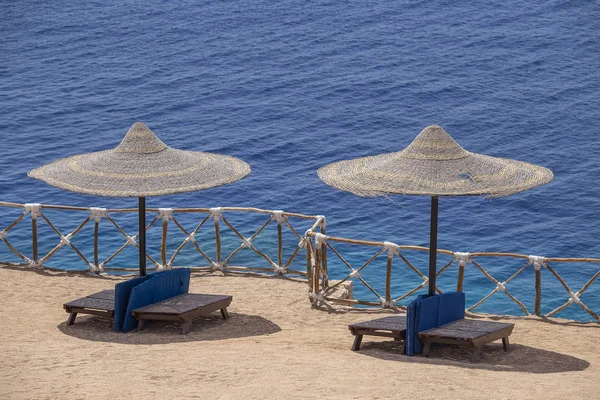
(141, 166)
(433, 165)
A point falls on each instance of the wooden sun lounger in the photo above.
(393, 326)
(101, 303)
(467, 332)
(183, 308)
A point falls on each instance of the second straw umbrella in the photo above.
(433, 165)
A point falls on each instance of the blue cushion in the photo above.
(452, 307)
(411, 331)
(171, 283)
(141, 295)
(122, 292)
(426, 317)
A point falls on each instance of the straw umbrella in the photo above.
(141, 166)
(433, 165)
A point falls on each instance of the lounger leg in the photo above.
(475, 355)
(224, 313)
(141, 323)
(426, 348)
(187, 325)
(71, 318)
(403, 347)
(357, 342)
(505, 343)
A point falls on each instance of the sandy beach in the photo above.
(273, 346)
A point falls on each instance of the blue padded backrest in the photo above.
(411, 329)
(141, 295)
(451, 308)
(171, 283)
(426, 318)
(122, 292)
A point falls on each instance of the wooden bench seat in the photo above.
(101, 303)
(183, 308)
(467, 332)
(392, 326)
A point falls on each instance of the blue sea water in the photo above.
(290, 86)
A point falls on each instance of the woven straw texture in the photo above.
(433, 165)
(140, 166)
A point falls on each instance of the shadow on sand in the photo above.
(211, 327)
(520, 358)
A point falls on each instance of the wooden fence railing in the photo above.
(322, 291)
(314, 241)
(169, 220)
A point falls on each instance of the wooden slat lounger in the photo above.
(183, 308)
(101, 303)
(393, 326)
(467, 332)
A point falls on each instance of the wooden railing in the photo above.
(169, 219)
(323, 292)
(279, 259)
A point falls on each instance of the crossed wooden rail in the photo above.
(322, 291)
(220, 261)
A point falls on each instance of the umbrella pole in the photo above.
(433, 245)
(142, 235)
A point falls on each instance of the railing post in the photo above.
(537, 265)
(320, 244)
(323, 254)
(216, 214)
(278, 216)
(538, 292)
(34, 238)
(388, 277)
(462, 262)
(35, 210)
(165, 214)
(96, 213)
(96, 235)
(307, 247)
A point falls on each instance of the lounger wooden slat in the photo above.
(392, 326)
(183, 308)
(467, 332)
(101, 304)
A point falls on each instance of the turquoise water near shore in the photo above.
(289, 87)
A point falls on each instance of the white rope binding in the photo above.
(501, 286)
(387, 304)
(278, 216)
(34, 209)
(165, 213)
(316, 298)
(574, 298)
(320, 239)
(190, 238)
(323, 221)
(3, 234)
(131, 240)
(65, 240)
(537, 262)
(463, 258)
(391, 248)
(96, 213)
(278, 269)
(247, 243)
(216, 213)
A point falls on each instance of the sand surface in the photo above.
(273, 346)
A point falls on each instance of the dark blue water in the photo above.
(290, 86)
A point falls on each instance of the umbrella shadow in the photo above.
(520, 358)
(207, 328)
